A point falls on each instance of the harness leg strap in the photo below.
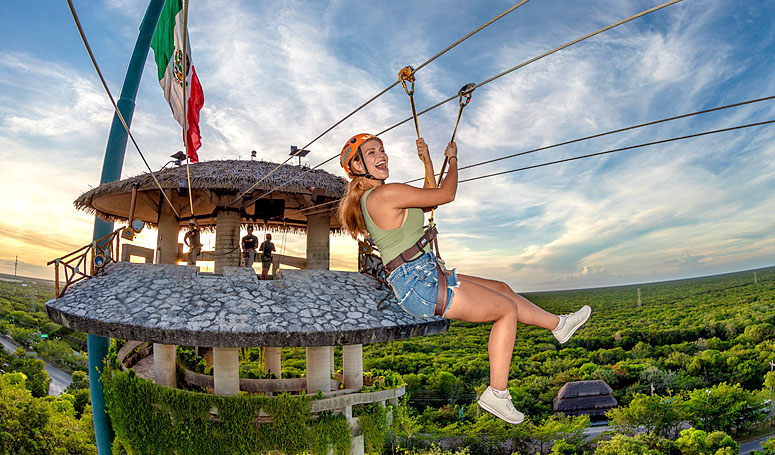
(441, 295)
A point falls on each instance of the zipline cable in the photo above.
(185, 101)
(621, 149)
(115, 106)
(631, 147)
(589, 35)
(594, 136)
(545, 54)
(470, 34)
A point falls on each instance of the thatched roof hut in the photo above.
(593, 398)
(215, 185)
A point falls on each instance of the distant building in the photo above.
(592, 398)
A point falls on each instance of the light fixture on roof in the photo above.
(300, 153)
(177, 158)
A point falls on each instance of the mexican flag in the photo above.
(166, 44)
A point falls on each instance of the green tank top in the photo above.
(392, 242)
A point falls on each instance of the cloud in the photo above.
(277, 75)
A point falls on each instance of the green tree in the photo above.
(724, 407)
(560, 427)
(80, 381)
(661, 380)
(768, 446)
(656, 414)
(698, 442)
(36, 378)
(624, 445)
(40, 425)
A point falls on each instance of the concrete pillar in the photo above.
(357, 447)
(226, 239)
(318, 242)
(318, 369)
(226, 371)
(333, 363)
(273, 361)
(167, 238)
(352, 366)
(166, 253)
(164, 364)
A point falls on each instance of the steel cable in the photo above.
(606, 152)
(621, 149)
(594, 136)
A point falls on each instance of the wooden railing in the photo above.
(86, 261)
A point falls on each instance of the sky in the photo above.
(276, 74)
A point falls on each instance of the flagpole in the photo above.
(111, 171)
(185, 100)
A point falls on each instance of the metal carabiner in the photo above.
(465, 94)
(407, 75)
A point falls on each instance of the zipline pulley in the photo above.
(407, 75)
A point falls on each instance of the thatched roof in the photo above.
(584, 389)
(215, 184)
(592, 398)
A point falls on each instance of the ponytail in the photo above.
(350, 212)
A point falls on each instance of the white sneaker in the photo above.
(501, 408)
(572, 322)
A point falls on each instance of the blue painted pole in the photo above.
(111, 171)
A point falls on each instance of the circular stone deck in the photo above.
(173, 304)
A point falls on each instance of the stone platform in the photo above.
(173, 304)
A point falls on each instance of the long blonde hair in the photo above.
(350, 212)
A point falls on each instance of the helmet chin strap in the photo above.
(366, 168)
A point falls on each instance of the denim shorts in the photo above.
(416, 285)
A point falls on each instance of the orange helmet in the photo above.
(353, 147)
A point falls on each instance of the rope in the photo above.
(631, 147)
(185, 102)
(465, 94)
(318, 210)
(407, 75)
(481, 27)
(115, 106)
(594, 136)
(282, 246)
(545, 54)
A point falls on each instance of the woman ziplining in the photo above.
(391, 216)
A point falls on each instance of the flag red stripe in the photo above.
(195, 103)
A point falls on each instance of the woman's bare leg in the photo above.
(529, 312)
(474, 302)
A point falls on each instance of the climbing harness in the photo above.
(372, 265)
(465, 97)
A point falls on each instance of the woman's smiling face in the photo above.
(375, 158)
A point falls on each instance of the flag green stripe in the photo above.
(163, 42)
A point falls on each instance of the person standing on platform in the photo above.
(266, 249)
(249, 244)
(191, 239)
